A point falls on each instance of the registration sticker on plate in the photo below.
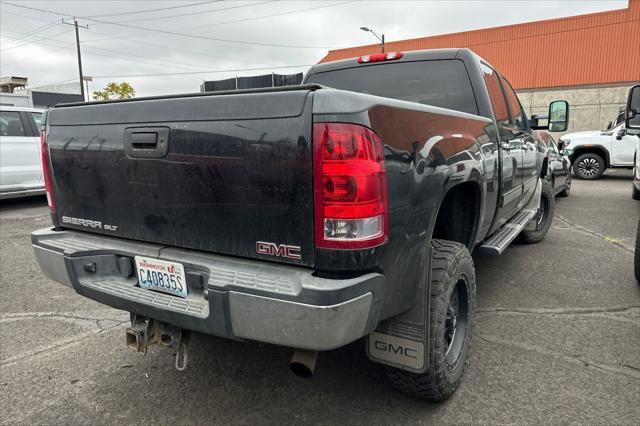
(160, 275)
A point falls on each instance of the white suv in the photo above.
(20, 166)
(595, 151)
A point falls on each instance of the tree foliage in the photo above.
(115, 90)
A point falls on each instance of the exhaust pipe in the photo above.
(303, 363)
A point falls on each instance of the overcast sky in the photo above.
(235, 37)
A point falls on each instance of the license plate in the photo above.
(160, 275)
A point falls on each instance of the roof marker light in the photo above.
(378, 57)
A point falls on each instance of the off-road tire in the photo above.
(451, 264)
(636, 257)
(567, 187)
(590, 157)
(548, 204)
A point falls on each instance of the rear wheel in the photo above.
(589, 166)
(567, 187)
(543, 218)
(453, 301)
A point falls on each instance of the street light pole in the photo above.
(376, 35)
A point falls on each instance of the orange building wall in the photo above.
(598, 48)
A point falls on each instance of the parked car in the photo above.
(595, 151)
(559, 174)
(20, 164)
(308, 216)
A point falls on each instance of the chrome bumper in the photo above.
(233, 298)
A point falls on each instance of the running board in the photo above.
(499, 241)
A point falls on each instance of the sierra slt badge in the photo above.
(95, 224)
(280, 250)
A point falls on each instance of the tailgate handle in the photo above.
(146, 142)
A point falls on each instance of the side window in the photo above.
(552, 145)
(518, 117)
(37, 118)
(497, 98)
(11, 124)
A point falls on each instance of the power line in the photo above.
(25, 42)
(204, 72)
(179, 49)
(202, 12)
(153, 10)
(176, 34)
(21, 36)
(118, 55)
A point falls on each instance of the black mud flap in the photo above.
(402, 341)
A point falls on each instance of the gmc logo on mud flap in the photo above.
(399, 350)
(279, 250)
(394, 350)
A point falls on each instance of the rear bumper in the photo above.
(228, 297)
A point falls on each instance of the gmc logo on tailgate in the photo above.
(279, 250)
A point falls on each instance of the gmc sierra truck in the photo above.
(309, 216)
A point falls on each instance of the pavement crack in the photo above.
(63, 344)
(559, 311)
(575, 227)
(623, 370)
(82, 319)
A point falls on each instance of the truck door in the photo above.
(510, 147)
(623, 149)
(521, 134)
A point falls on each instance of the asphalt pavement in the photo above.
(557, 340)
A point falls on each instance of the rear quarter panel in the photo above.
(428, 151)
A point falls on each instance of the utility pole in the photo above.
(75, 24)
(79, 59)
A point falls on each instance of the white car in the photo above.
(20, 166)
(595, 151)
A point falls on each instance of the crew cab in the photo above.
(309, 216)
(595, 151)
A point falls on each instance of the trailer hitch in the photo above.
(144, 332)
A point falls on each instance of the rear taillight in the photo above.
(377, 57)
(350, 187)
(46, 171)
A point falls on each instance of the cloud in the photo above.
(48, 56)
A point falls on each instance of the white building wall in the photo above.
(590, 107)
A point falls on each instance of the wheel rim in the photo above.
(542, 213)
(588, 167)
(456, 323)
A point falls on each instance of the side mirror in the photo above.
(632, 115)
(558, 116)
(620, 134)
(568, 152)
(610, 125)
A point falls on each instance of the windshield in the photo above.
(441, 83)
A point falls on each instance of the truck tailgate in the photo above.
(218, 173)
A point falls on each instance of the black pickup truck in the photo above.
(309, 216)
